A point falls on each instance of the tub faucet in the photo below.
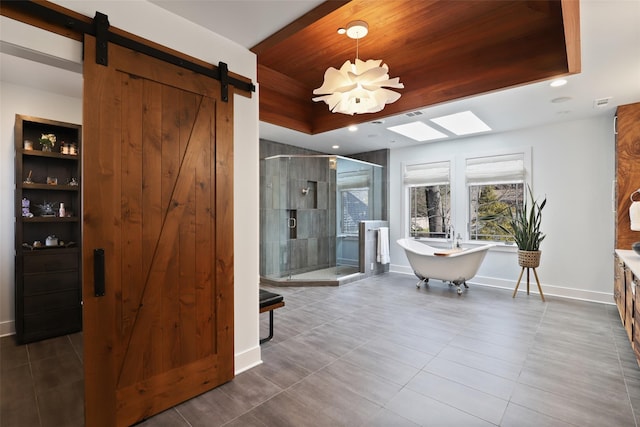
(452, 236)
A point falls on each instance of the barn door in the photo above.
(157, 233)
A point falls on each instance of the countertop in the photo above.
(631, 259)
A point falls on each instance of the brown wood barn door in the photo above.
(157, 193)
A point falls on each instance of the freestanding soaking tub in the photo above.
(448, 265)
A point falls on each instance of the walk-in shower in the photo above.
(310, 210)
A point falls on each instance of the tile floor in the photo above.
(380, 352)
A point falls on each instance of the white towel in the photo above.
(383, 245)
(634, 215)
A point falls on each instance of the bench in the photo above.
(269, 301)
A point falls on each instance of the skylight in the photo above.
(463, 123)
(418, 131)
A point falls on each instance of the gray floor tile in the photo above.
(567, 410)
(168, 418)
(284, 410)
(360, 381)
(68, 369)
(383, 366)
(16, 384)
(21, 412)
(482, 362)
(59, 346)
(250, 388)
(467, 399)
(386, 418)
(380, 352)
(425, 411)
(280, 369)
(11, 354)
(324, 394)
(213, 408)
(63, 405)
(480, 380)
(519, 416)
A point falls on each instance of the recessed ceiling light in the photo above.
(335, 147)
(342, 30)
(418, 131)
(353, 128)
(558, 83)
(463, 123)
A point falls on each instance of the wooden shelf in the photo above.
(48, 187)
(50, 154)
(51, 219)
(47, 280)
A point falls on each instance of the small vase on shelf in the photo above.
(47, 141)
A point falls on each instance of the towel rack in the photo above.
(633, 194)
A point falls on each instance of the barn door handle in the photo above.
(98, 272)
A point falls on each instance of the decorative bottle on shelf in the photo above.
(62, 212)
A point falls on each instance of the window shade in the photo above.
(436, 173)
(501, 169)
(353, 179)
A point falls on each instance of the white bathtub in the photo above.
(456, 267)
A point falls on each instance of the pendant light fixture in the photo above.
(359, 87)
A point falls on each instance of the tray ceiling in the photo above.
(441, 50)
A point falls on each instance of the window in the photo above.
(355, 208)
(495, 185)
(429, 192)
(353, 199)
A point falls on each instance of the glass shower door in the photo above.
(278, 222)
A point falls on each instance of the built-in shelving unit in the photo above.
(47, 240)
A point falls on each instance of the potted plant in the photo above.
(524, 226)
(47, 141)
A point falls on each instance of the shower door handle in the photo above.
(292, 223)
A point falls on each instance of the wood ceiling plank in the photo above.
(462, 48)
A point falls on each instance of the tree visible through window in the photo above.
(430, 209)
(493, 201)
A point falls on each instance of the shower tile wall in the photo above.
(314, 244)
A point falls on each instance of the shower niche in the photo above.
(310, 209)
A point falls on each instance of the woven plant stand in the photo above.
(529, 260)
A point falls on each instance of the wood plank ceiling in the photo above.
(442, 50)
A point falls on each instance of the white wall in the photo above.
(573, 165)
(151, 22)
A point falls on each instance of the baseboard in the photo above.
(8, 327)
(550, 290)
(247, 359)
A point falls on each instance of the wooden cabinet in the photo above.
(630, 298)
(625, 291)
(47, 238)
(627, 171)
(627, 294)
(619, 288)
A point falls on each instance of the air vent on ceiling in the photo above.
(415, 113)
(602, 102)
